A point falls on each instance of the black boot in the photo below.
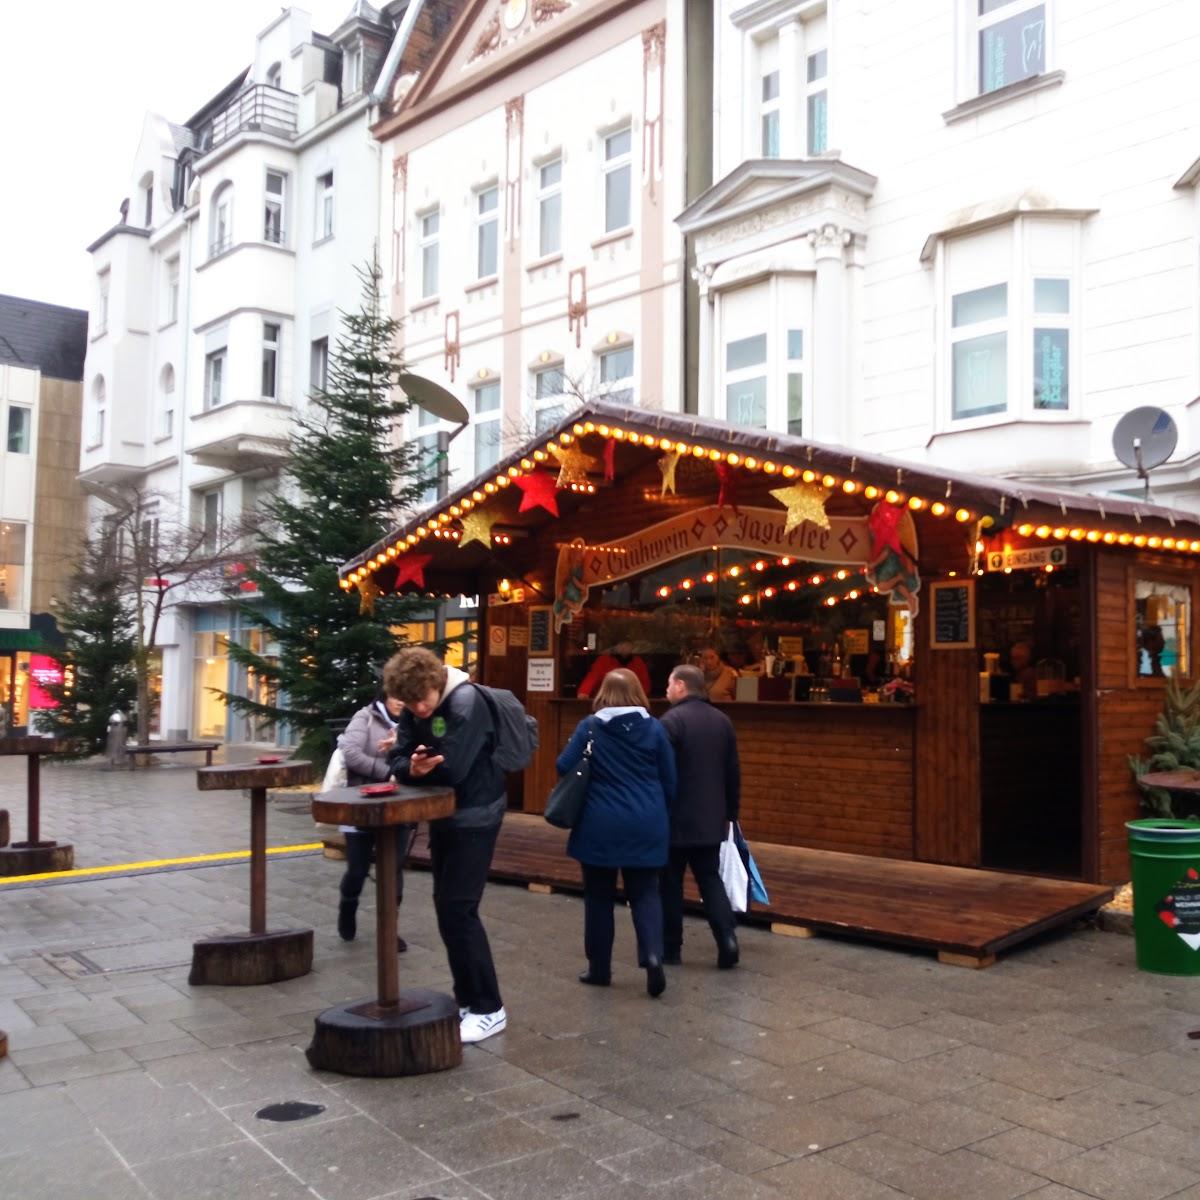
(656, 977)
(347, 924)
(727, 951)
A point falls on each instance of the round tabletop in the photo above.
(1186, 780)
(348, 806)
(254, 775)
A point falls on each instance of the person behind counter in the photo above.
(1024, 673)
(720, 679)
(621, 655)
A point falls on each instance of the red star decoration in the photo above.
(728, 478)
(537, 490)
(610, 461)
(410, 568)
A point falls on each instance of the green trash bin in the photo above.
(1165, 859)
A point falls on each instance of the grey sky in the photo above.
(76, 79)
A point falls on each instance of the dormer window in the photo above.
(352, 70)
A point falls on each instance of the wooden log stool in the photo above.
(409, 1032)
(260, 956)
(34, 856)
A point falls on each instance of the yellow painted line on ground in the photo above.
(224, 856)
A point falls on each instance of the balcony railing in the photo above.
(259, 109)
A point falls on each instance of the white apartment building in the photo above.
(533, 175)
(217, 300)
(958, 230)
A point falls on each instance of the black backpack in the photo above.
(516, 730)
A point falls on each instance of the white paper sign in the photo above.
(540, 675)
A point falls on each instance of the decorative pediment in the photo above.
(492, 37)
(762, 183)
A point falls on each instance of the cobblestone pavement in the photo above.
(819, 1068)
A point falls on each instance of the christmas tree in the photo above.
(348, 479)
(1175, 746)
(97, 621)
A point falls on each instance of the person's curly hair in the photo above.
(412, 674)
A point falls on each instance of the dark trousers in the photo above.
(645, 906)
(360, 851)
(705, 864)
(460, 859)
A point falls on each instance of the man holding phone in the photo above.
(446, 735)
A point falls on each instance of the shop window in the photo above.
(1010, 42)
(746, 381)
(1051, 343)
(486, 405)
(979, 347)
(20, 429)
(1162, 629)
(487, 232)
(618, 180)
(12, 565)
(795, 382)
(211, 677)
(430, 231)
(550, 208)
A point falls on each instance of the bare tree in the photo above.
(165, 556)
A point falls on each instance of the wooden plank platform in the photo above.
(965, 916)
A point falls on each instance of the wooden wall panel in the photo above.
(827, 777)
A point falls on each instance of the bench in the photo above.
(148, 748)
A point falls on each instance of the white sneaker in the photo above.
(474, 1027)
(462, 1012)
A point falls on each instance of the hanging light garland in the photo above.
(547, 455)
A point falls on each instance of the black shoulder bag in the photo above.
(564, 806)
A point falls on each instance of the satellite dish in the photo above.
(433, 398)
(1145, 438)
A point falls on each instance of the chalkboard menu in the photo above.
(952, 620)
(541, 642)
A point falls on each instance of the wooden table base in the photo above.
(22, 858)
(248, 959)
(418, 1035)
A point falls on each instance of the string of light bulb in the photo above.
(1109, 537)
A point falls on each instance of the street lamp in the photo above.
(438, 402)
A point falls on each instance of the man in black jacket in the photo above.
(706, 800)
(445, 735)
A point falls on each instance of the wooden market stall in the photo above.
(935, 667)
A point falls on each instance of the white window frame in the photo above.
(549, 194)
(486, 419)
(546, 401)
(814, 87)
(614, 389)
(98, 407)
(215, 377)
(486, 224)
(166, 412)
(769, 67)
(352, 59)
(972, 26)
(323, 225)
(272, 342)
(1024, 268)
(318, 364)
(220, 232)
(612, 165)
(429, 248)
(103, 286)
(275, 204)
(212, 505)
(27, 411)
(171, 297)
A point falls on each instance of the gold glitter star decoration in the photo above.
(368, 589)
(573, 464)
(667, 465)
(803, 503)
(477, 527)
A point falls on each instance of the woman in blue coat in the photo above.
(624, 825)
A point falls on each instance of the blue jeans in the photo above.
(645, 906)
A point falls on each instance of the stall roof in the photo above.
(1002, 499)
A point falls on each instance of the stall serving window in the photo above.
(1162, 619)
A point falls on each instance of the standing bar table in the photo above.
(397, 1032)
(260, 956)
(34, 856)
